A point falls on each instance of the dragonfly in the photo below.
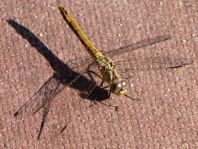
(99, 63)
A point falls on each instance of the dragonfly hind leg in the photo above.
(93, 86)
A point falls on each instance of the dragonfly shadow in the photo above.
(62, 72)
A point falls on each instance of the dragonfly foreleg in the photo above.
(89, 72)
(92, 72)
(131, 97)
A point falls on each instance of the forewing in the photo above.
(134, 46)
(83, 65)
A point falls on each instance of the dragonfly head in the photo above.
(118, 87)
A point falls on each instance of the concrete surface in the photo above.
(165, 117)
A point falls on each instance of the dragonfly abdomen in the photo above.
(95, 53)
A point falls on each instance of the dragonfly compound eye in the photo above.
(119, 88)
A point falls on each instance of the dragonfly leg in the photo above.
(102, 83)
(109, 97)
(91, 86)
(89, 71)
(92, 72)
(89, 89)
(131, 97)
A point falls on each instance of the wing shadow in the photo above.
(62, 74)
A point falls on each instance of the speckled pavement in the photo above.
(165, 117)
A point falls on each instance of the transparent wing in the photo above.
(42, 99)
(80, 64)
(128, 67)
(134, 46)
(52, 87)
(83, 63)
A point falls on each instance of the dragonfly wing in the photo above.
(80, 64)
(41, 98)
(128, 67)
(137, 45)
(86, 61)
(51, 88)
(83, 65)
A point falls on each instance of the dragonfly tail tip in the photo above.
(62, 9)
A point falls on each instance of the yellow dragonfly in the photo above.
(109, 71)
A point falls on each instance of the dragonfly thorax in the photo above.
(111, 76)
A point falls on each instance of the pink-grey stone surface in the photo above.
(165, 117)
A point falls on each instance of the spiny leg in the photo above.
(101, 86)
(91, 86)
(131, 97)
(93, 82)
